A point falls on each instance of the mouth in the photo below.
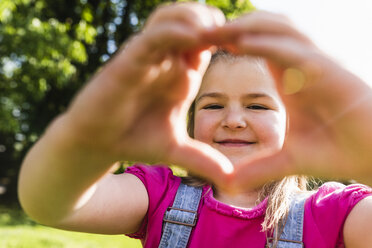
(234, 143)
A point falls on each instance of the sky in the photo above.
(341, 28)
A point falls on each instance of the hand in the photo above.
(135, 107)
(329, 109)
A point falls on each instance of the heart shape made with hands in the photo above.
(323, 138)
(285, 49)
(319, 97)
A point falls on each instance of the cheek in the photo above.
(272, 131)
(203, 128)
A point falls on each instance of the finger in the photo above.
(195, 15)
(199, 60)
(284, 50)
(180, 81)
(217, 15)
(259, 22)
(202, 160)
(168, 38)
(301, 66)
(254, 174)
(146, 55)
(275, 70)
(153, 46)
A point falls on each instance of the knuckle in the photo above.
(218, 15)
(164, 8)
(182, 8)
(189, 13)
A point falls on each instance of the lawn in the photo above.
(18, 231)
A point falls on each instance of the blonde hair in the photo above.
(278, 192)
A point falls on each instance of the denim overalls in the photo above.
(182, 216)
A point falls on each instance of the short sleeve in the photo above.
(161, 186)
(327, 210)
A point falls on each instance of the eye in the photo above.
(213, 106)
(257, 107)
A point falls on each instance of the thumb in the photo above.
(202, 160)
(253, 174)
(199, 59)
(275, 70)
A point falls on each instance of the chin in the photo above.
(238, 160)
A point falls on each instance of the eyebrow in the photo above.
(221, 95)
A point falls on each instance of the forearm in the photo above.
(61, 170)
(349, 120)
(352, 132)
(344, 104)
(57, 172)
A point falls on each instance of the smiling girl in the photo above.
(135, 109)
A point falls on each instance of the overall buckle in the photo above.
(178, 222)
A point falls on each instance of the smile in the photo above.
(234, 143)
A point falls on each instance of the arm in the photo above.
(63, 180)
(358, 225)
(64, 185)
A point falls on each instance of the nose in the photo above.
(234, 120)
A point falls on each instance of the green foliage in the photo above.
(232, 8)
(13, 216)
(37, 54)
(48, 50)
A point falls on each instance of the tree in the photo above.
(48, 50)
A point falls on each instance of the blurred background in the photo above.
(342, 28)
(48, 51)
(50, 48)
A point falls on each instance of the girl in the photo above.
(135, 107)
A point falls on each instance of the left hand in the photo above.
(330, 113)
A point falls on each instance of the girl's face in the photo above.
(238, 110)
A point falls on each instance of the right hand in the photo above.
(329, 108)
(135, 107)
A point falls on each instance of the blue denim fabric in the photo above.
(188, 198)
(292, 234)
(177, 235)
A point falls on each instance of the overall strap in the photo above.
(292, 234)
(181, 217)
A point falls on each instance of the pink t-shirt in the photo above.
(220, 225)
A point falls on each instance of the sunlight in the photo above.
(341, 28)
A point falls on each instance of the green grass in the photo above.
(44, 237)
(18, 231)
